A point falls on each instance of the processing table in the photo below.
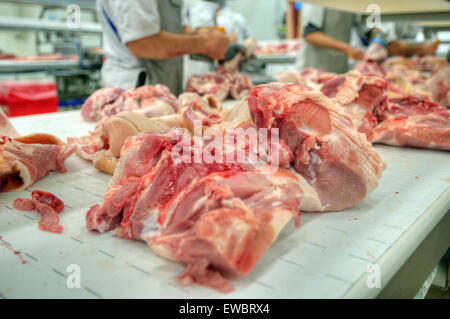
(398, 234)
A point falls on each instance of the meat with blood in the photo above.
(439, 85)
(413, 121)
(47, 205)
(336, 160)
(92, 108)
(153, 101)
(216, 218)
(221, 84)
(359, 94)
(209, 83)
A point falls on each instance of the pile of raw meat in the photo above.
(398, 101)
(281, 48)
(150, 100)
(103, 145)
(221, 84)
(219, 217)
(174, 188)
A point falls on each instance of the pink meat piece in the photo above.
(240, 85)
(47, 205)
(92, 108)
(316, 78)
(431, 63)
(376, 53)
(439, 85)
(359, 94)
(209, 83)
(412, 121)
(329, 153)
(152, 98)
(369, 67)
(104, 103)
(217, 219)
(30, 162)
(48, 199)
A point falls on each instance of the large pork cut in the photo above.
(92, 108)
(240, 84)
(104, 144)
(221, 84)
(359, 94)
(312, 77)
(412, 121)
(439, 85)
(216, 218)
(151, 101)
(209, 83)
(337, 161)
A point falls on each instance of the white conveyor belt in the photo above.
(327, 257)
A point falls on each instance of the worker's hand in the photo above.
(428, 48)
(215, 44)
(354, 54)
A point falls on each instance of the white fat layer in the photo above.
(151, 225)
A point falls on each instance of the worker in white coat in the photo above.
(144, 41)
(210, 14)
(234, 23)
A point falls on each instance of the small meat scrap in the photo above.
(47, 205)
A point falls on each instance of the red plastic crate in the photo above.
(27, 98)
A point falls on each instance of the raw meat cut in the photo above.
(290, 77)
(369, 67)
(336, 160)
(431, 63)
(221, 84)
(46, 204)
(31, 157)
(376, 53)
(314, 78)
(103, 146)
(92, 108)
(359, 95)
(404, 77)
(412, 121)
(218, 217)
(209, 83)
(285, 47)
(240, 85)
(439, 85)
(203, 109)
(152, 101)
